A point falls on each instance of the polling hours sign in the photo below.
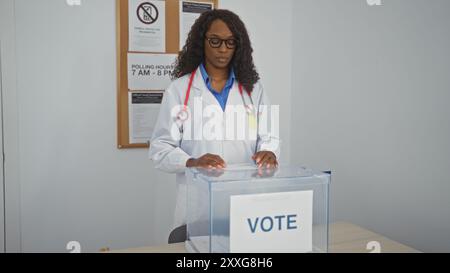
(150, 71)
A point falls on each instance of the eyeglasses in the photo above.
(217, 42)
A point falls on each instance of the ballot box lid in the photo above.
(250, 172)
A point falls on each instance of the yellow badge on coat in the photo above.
(252, 122)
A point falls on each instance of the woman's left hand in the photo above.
(265, 159)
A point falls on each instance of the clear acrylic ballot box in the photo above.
(244, 209)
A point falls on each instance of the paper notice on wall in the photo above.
(143, 112)
(150, 71)
(147, 26)
(189, 12)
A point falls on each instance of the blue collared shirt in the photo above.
(221, 97)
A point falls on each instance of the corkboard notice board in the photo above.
(172, 27)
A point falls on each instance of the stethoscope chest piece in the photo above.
(183, 115)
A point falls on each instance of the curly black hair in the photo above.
(193, 52)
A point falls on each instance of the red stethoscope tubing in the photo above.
(188, 92)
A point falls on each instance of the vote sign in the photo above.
(272, 222)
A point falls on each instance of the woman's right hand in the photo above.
(207, 161)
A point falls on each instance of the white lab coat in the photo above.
(170, 155)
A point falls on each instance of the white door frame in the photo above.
(10, 155)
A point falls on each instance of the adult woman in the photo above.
(214, 70)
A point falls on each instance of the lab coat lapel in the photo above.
(201, 90)
(234, 98)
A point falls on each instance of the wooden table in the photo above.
(344, 238)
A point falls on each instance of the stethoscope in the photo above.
(183, 115)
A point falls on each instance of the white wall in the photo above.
(2, 181)
(74, 183)
(370, 93)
